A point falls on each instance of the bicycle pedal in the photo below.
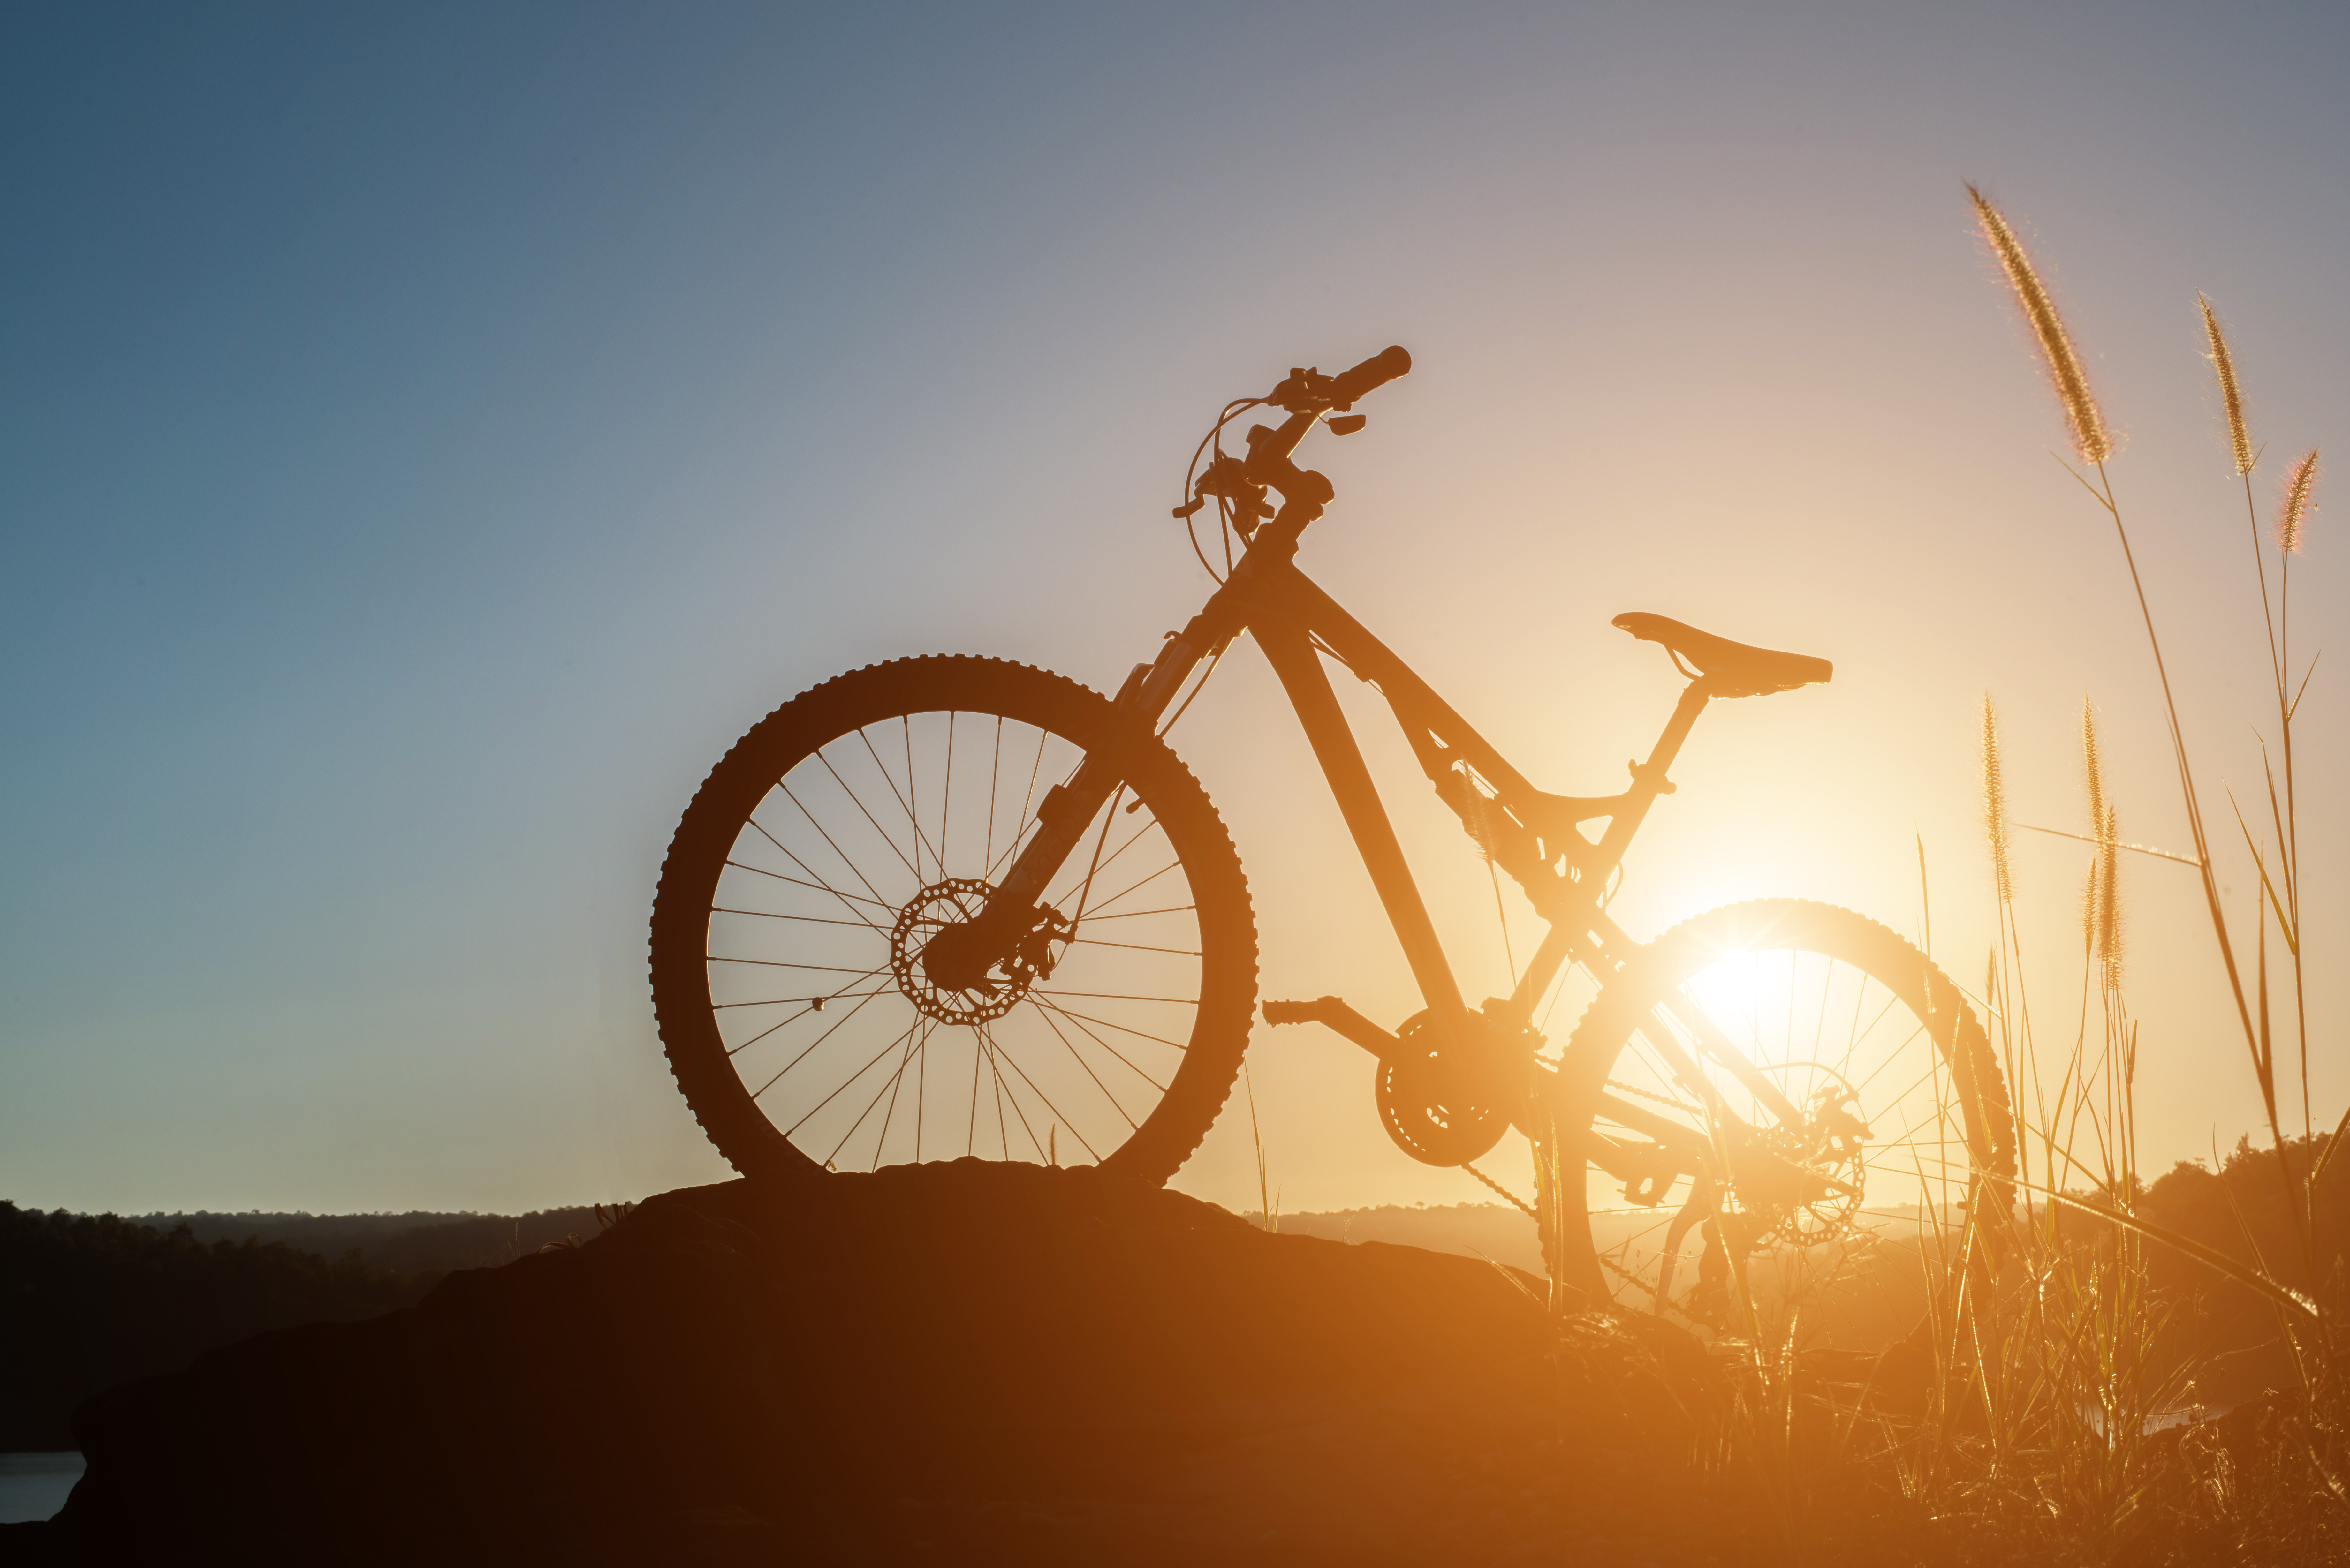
(1296, 1011)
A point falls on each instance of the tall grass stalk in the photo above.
(1268, 1206)
(2057, 352)
(2111, 1067)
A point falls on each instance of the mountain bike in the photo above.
(953, 906)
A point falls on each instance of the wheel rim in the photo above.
(859, 856)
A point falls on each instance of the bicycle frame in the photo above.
(1533, 835)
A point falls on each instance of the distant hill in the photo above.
(1490, 1231)
(89, 1302)
(419, 1243)
(93, 1301)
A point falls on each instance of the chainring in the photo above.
(1430, 1102)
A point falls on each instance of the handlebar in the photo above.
(1310, 391)
(1372, 373)
(1305, 395)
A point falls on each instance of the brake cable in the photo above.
(1197, 687)
(1231, 411)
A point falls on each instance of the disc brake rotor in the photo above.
(1801, 1183)
(942, 913)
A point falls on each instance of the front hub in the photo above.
(940, 962)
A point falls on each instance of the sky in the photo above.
(433, 434)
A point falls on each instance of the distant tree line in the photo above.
(90, 1302)
(420, 1243)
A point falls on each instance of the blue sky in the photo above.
(432, 435)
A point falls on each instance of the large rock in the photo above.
(948, 1362)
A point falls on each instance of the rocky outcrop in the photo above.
(948, 1362)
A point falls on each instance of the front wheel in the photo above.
(1786, 1072)
(806, 1016)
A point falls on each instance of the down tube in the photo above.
(1302, 675)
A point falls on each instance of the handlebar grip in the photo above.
(1374, 372)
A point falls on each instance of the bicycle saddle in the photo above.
(1728, 669)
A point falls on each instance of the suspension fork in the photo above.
(1069, 805)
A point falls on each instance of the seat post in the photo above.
(1648, 779)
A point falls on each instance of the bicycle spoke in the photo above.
(1162, 871)
(787, 1001)
(1104, 1045)
(1122, 1029)
(810, 920)
(1890, 1002)
(779, 963)
(1890, 1057)
(906, 735)
(1130, 947)
(813, 887)
(1109, 821)
(849, 900)
(946, 811)
(1819, 1027)
(994, 776)
(763, 1034)
(1115, 996)
(1105, 862)
(1131, 1123)
(874, 1061)
(994, 1057)
(897, 1081)
(1013, 1063)
(904, 801)
(854, 800)
(811, 1044)
(836, 849)
(1027, 801)
(970, 1132)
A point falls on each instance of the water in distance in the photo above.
(34, 1486)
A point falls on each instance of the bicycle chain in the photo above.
(1527, 1209)
(1606, 1261)
(1511, 1196)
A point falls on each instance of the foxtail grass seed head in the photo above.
(2089, 908)
(2093, 777)
(2093, 442)
(2092, 772)
(2109, 901)
(2293, 511)
(2232, 397)
(1994, 804)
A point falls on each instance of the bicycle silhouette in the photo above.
(955, 906)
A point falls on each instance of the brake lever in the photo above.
(1305, 391)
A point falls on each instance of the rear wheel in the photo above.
(1817, 1073)
(805, 1016)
